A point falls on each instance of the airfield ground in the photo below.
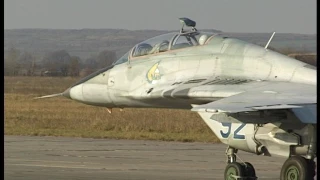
(51, 158)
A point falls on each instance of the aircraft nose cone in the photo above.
(66, 93)
(74, 93)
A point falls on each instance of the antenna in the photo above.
(269, 40)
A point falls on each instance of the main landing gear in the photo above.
(294, 168)
(236, 170)
(298, 168)
(302, 168)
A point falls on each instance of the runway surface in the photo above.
(53, 158)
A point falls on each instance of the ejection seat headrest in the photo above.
(203, 38)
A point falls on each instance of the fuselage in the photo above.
(152, 80)
(193, 69)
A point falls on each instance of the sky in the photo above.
(282, 16)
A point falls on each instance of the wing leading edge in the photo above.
(300, 98)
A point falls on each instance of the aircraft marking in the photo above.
(153, 74)
(236, 131)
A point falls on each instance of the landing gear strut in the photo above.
(298, 167)
(236, 170)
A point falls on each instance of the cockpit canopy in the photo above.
(170, 41)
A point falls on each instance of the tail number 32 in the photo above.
(236, 135)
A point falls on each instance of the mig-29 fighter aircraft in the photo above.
(253, 99)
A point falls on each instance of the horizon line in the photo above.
(220, 31)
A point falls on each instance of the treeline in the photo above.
(61, 63)
(55, 63)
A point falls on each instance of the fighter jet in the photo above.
(252, 98)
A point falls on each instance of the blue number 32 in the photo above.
(235, 134)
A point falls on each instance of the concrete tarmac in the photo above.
(53, 158)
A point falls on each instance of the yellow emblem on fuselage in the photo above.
(153, 74)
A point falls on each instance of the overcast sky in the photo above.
(282, 16)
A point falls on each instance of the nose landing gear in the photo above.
(236, 170)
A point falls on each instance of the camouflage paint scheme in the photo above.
(253, 99)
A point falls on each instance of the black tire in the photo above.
(311, 167)
(296, 168)
(249, 170)
(233, 168)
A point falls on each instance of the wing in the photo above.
(247, 96)
(273, 96)
(300, 98)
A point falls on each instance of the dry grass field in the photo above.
(64, 117)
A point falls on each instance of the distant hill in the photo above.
(87, 42)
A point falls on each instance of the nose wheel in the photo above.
(236, 170)
(297, 168)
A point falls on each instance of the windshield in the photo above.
(123, 59)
